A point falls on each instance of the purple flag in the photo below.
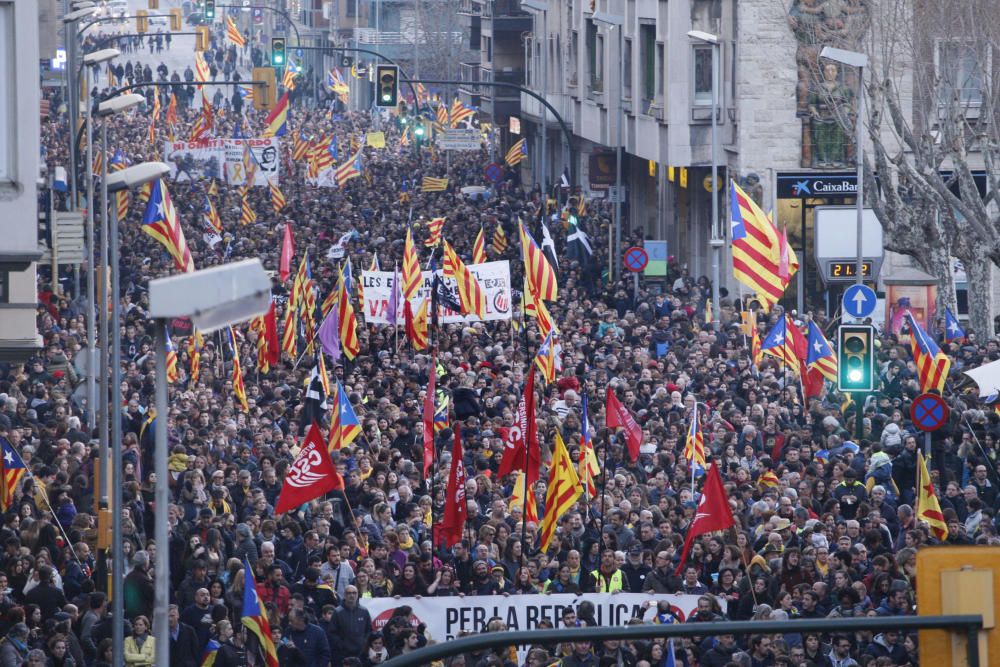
(393, 313)
(329, 335)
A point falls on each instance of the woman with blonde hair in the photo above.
(140, 647)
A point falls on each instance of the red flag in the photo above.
(812, 383)
(799, 343)
(287, 251)
(310, 476)
(619, 416)
(429, 419)
(271, 336)
(784, 261)
(713, 512)
(515, 442)
(455, 510)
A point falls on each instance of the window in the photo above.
(351, 8)
(961, 69)
(4, 287)
(660, 69)
(703, 75)
(647, 52)
(574, 50)
(594, 57)
(627, 83)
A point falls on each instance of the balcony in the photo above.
(372, 36)
(506, 16)
(470, 8)
(512, 76)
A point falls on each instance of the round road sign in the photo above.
(636, 259)
(493, 172)
(929, 412)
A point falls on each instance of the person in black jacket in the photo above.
(46, 595)
(183, 641)
(351, 625)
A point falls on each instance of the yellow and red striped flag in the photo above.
(563, 490)
(517, 154)
(757, 250)
(470, 292)
(499, 240)
(589, 467)
(160, 222)
(694, 446)
(928, 507)
(416, 326)
(201, 71)
(411, 267)
(288, 80)
(432, 184)
(156, 105)
(247, 214)
(239, 390)
(547, 359)
(434, 229)
(171, 118)
(171, 358)
(277, 198)
(289, 331)
(349, 343)
(518, 493)
(539, 273)
(749, 329)
(233, 33)
(479, 248)
(932, 364)
(336, 439)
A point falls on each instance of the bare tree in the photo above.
(439, 38)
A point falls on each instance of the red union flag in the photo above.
(619, 416)
(455, 510)
(713, 512)
(310, 476)
(523, 432)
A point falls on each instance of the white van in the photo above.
(117, 8)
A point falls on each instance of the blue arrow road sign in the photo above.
(859, 301)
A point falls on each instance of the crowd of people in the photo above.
(826, 525)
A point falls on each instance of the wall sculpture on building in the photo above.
(824, 90)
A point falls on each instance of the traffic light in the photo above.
(387, 79)
(346, 61)
(154, 4)
(175, 19)
(209, 10)
(278, 52)
(141, 21)
(201, 38)
(266, 90)
(856, 358)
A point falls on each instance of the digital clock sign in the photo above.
(847, 269)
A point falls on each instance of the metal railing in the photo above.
(372, 36)
(969, 625)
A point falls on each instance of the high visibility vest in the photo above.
(603, 585)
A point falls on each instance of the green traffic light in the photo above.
(386, 97)
(419, 131)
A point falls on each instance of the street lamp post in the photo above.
(716, 241)
(137, 175)
(212, 298)
(615, 240)
(95, 404)
(73, 105)
(858, 61)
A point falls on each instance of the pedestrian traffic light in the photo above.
(265, 88)
(175, 19)
(856, 358)
(209, 9)
(278, 52)
(201, 38)
(141, 21)
(346, 61)
(387, 79)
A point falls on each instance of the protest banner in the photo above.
(265, 152)
(447, 617)
(195, 160)
(493, 277)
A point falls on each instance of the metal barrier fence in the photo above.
(967, 624)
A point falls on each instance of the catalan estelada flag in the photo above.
(300, 146)
(460, 112)
(171, 358)
(517, 154)
(432, 184)
(13, 470)
(434, 228)
(411, 267)
(288, 80)
(210, 216)
(349, 343)
(479, 248)
(563, 490)
(160, 222)
(276, 123)
(441, 119)
(545, 359)
(233, 33)
(928, 507)
(933, 365)
(779, 344)
(470, 292)
(211, 651)
(348, 170)
(350, 426)
(254, 617)
(821, 356)
(757, 250)
(540, 275)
